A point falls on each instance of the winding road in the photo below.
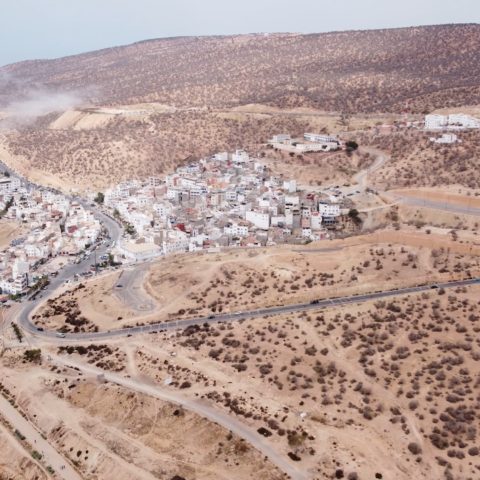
(197, 406)
(51, 337)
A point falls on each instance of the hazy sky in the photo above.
(31, 29)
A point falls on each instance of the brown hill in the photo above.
(356, 71)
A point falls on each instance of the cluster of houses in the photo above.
(54, 226)
(311, 142)
(226, 200)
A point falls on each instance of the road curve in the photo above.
(195, 406)
(52, 336)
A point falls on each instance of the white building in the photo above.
(290, 186)
(9, 185)
(259, 219)
(236, 230)
(328, 210)
(20, 268)
(281, 138)
(435, 122)
(446, 138)
(319, 138)
(240, 156)
(455, 121)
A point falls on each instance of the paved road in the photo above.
(196, 406)
(50, 455)
(129, 289)
(436, 205)
(51, 336)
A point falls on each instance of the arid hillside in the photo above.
(356, 71)
(416, 161)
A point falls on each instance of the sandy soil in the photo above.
(200, 284)
(108, 432)
(400, 373)
(15, 461)
(8, 231)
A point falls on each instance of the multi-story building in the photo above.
(320, 138)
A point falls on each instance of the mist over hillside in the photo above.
(413, 69)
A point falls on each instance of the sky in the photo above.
(34, 29)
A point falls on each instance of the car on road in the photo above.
(434, 286)
(60, 335)
(211, 316)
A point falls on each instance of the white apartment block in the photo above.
(446, 138)
(316, 221)
(455, 121)
(14, 286)
(236, 230)
(154, 181)
(328, 210)
(9, 185)
(290, 186)
(259, 219)
(221, 156)
(240, 156)
(319, 138)
(281, 138)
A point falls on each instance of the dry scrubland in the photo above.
(417, 162)
(355, 71)
(111, 433)
(16, 464)
(125, 147)
(400, 373)
(314, 169)
(86, 149)
(237, 280)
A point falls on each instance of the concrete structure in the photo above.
(259, 219)
(455, 121)
(319, 138)
(446, 138)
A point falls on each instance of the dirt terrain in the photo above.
(15, 462)
(9, 230)
(399, 372)
(107, 432)
(236, 280)
(417, 162)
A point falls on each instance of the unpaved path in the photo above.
(50, 455)
(195, 406)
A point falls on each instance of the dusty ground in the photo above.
(8, 231)
(416, 162)
(237, 280)
(15, 462)
(400, 372)
(107, 432)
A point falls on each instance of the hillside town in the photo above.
(227, 200)
(54, 226)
